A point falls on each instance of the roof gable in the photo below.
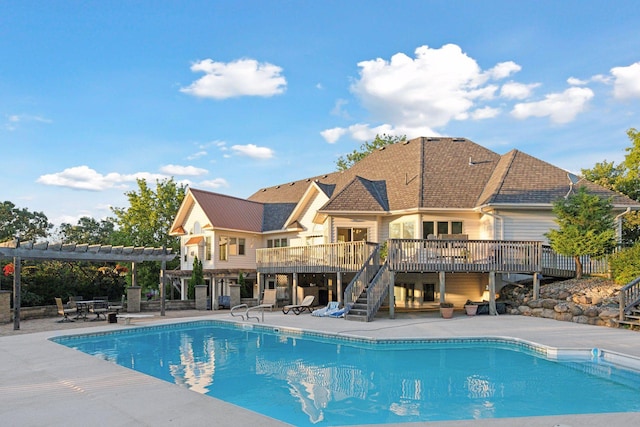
(222, 211)
(360, 195)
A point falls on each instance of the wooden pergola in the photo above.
(18, 251)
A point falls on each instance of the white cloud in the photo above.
(421, 93)
(197, 155)
(14, 120)
(504, 70)
(253, 151)
(574, 81)
(338, 109)
(85, 178)
(243, 77)
(515, 90)
(214, 183)
(559, 107)
(333, 135)
(183, 170)
(366, 132)
(485, 113)
(626, 81)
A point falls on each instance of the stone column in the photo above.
(134, 294)
(201, 297)
(5, 306)
(234, 294)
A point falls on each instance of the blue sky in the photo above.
(233, 96)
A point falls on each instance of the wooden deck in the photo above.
(425, 256)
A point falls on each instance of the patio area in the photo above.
(48, 384)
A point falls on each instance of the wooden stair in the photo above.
(629, 303)
(631, 318)
(358, 311)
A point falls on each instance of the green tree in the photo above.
(585, 227)
(147, 222)
(348, 160)
(623, 178)
(88, 230)
(197, 278)
(22, 223)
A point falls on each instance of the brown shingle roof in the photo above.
(442, 173)
(230, 212)
(360, 195)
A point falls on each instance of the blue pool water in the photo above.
(308, 379)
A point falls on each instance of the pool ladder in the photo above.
(245, 315)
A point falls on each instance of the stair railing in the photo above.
(361, 280)
(378, 290)
(628, 297)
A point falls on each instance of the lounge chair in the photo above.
(332, 307)
(299, 308)
(269, 297)
(64, 312)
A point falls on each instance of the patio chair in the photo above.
(269, 297)
(64, 311)
(99, 308)
(299, 308)
(117, 307)
(332, 307)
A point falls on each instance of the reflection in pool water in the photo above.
(311, 380)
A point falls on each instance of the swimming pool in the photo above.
(313, 379)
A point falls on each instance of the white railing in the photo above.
(326, 258)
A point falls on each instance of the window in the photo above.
(223, 248)
(207, 248)
(441, 227)
(276, 243)
(236, 246)
(352, 234)
(402, 230)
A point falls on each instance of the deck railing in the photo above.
(558, 265)
(326, 258)
(629, 296)
(464, 255)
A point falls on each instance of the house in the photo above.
(454, 218)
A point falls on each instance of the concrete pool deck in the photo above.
(43, 383)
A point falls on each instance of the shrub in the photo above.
(625, 265)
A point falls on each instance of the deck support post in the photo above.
(339, 287)
(492, 294)
(392, 298)
(536, 286)
(441, 281)
(294, 282)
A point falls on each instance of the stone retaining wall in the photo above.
(569, 312)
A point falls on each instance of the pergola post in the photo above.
(163, 284)
(17, 261)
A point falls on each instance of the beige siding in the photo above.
(247, 261)
(312, 233)
(195, 220)
(527, 225)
